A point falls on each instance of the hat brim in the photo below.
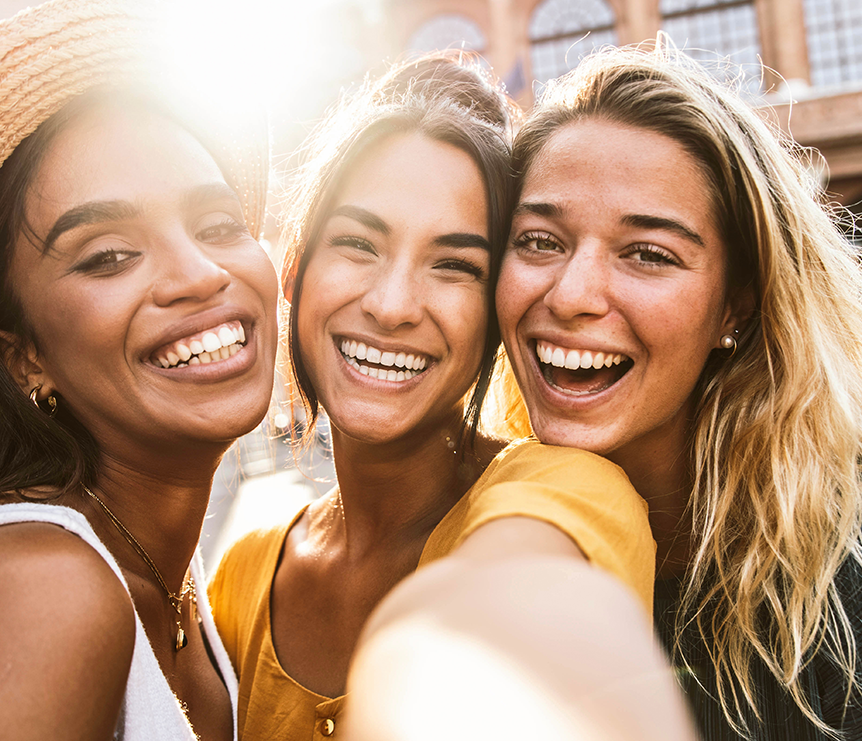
(55, 52)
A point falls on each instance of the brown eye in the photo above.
(222, 232)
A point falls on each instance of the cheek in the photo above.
(263, 279)
(517, 290)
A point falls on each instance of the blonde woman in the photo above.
(662, 223)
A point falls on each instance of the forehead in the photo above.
(606, 152)
(400, 165)
(110, 153)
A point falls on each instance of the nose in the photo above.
(187, 272)
(393, 297)
(581, 285)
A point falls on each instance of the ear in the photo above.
(22, 361)
(737, 312)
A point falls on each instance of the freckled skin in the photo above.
(591, 276)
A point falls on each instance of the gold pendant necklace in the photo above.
(175, 600)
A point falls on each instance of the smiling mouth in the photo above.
(580, 372)
(385, 365)
(210, 346)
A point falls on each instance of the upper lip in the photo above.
(198, 323)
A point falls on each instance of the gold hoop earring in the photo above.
(728, 342)
(52, 400)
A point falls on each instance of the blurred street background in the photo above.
(804, 57)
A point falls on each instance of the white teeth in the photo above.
(356, 351)
(211, 342)
(173, 358)
(226, 337)
(194, 360)
(196, 347)
(240, 334)
(363, 369)
(575, 359)
(205, 358)
(373, 372)
(164, 362)
(558, 358)
(184, 352)
(224, 353)
(234, 349)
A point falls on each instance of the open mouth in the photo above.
(580, 372)
(385, 365)
(210, 346)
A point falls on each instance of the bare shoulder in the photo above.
(67, 633)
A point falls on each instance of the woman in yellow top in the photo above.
(394, 246)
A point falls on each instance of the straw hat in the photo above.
(61, 49)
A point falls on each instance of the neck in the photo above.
(399, 491)
(164, 513)
(664, 481)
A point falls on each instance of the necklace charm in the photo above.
(182, 641)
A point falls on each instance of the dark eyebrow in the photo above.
(462, 239)
(364, 217)
(97, 212)
(94, 212)
(659, 222)
(540, 209)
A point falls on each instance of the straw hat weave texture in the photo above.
(57, 51)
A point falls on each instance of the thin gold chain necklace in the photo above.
(175, 600)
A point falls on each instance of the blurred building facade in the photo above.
(811, 51)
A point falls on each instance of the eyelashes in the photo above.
(646, 253)
(446, 264)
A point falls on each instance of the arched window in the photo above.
(834, 32)
(717, 30)
(447, 31)
(562, 31)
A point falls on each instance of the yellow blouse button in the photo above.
(327, 728)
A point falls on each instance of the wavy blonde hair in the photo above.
(776, 442)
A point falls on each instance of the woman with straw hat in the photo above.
(137, 336)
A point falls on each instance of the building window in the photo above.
(561, 32)
(834, 32)
(447, 31)
(717, 32)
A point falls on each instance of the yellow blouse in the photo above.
(585, 496)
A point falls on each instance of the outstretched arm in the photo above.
(513, 636)
(67, 634)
